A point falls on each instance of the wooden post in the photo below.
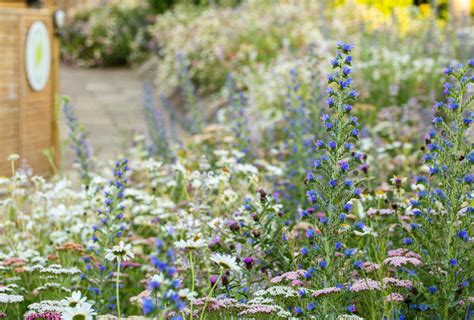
(28, 122)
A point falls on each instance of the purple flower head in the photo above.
(249, 262)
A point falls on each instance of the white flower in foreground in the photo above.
(190, 244)
(187, 294)
(225, 261)
(83, 311)
(75, 299)
(122, 251)
(10, 298)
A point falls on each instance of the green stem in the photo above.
(117, 297)
(191, 263)
(210, 293)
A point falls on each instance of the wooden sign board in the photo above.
(28, 125)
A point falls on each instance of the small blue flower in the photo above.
(148, 306)
(344, 165)
(352, 308)
(344, 47)
(453, 262)
(423, 307)
(463, 235)
(298, 311)
(432, 289)
(304, 214)
(323, 264)
(359, 225)
(349, 252)
(304, 251)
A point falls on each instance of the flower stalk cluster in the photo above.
(336, 178)
(443, 206)
(155, 124)
(78, 142)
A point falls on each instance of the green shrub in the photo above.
(107, 36)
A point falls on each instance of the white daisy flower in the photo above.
(122, 251)
(83, 311)
(225, 261)
(75, 299)
(187, 294)
(190, 244)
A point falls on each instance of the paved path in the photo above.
(108, 103)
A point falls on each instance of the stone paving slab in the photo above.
(108, 103)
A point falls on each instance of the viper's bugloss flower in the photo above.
(344, 47)
(304, 251)
(463, 234)
(351, 308)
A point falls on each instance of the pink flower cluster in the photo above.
(293, 276)
(44, 316)
(394, 297)
(397, 283)
(258, 309)
(370, 266)
(399, 261)
(216, 304)
(364, 285)
(325, 291)
(403, 252)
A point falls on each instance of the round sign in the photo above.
(37, 56)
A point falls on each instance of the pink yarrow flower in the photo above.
(394, 297)
(365, 285)
(44, 316)
(325, 291)
(403, 252)
(370, 266)
(290, 276)
(398, 261)
(397, 283)
(258, 309)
